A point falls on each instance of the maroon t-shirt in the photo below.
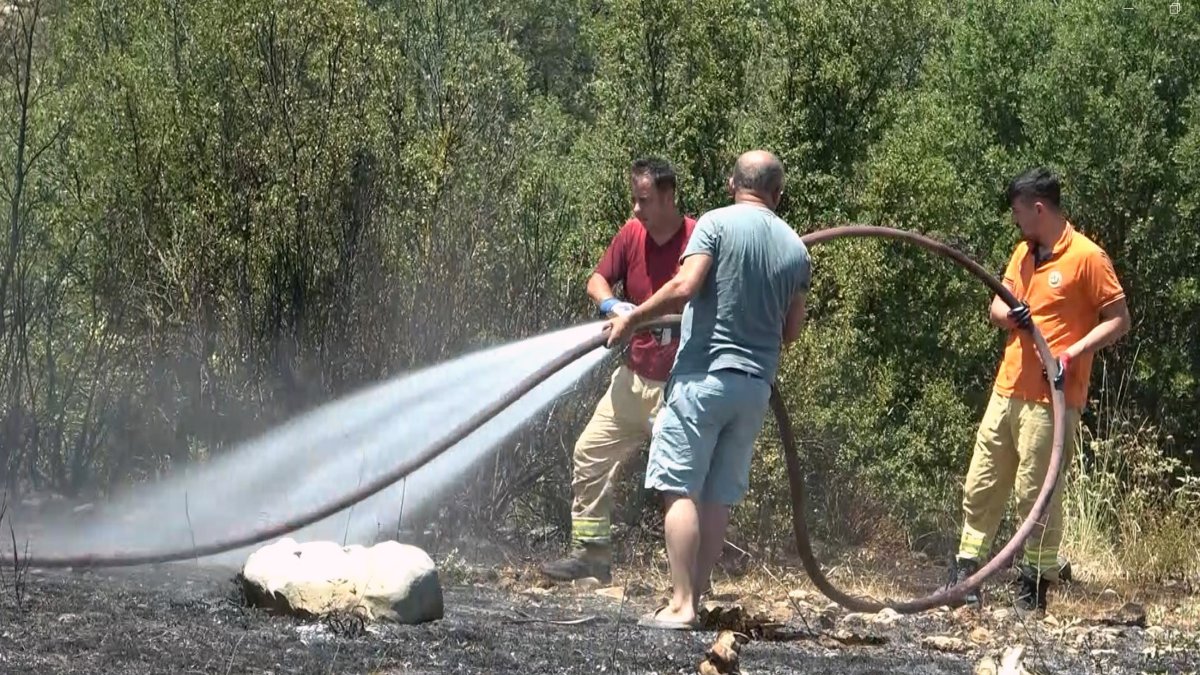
(635, 258)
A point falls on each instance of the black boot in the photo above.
(960, 570)
(1031, 590)
(586, 560)
(1064, 570)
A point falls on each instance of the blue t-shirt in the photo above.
(736, 318)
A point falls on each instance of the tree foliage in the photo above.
(219, 215)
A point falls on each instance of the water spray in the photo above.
(948, 596)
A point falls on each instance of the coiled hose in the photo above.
(947, 596)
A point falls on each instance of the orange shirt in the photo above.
(1065, 294)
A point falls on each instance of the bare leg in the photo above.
(714, 519)
(682, 530)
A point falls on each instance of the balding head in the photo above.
(758, 173)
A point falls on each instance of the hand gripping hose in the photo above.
(948, 596)
(953, 595)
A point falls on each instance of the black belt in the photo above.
(739, 371)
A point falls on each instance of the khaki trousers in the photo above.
(1011, 457)
(619, 427)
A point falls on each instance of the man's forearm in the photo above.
(671, 295)
(1104, 334)
(598, 289)
(998, 314)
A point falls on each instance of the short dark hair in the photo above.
(763, 177)
(1037, 183)
(658, 170)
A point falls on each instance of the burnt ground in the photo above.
(188, 619)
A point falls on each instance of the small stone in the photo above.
(1010, 663)
(537, 590)
(614, 592)
(828, 617)
(1000, 614)
(944, 643)
(1156, 632)
(799, 595)
(586, 584)
(1130, 614)
(854, 619)
(967, 614)
(981, 636)
(857, 639)
(987, 666)
(886, 617)
(1109, 595)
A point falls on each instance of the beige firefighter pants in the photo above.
(619, 427)
(1011, 457)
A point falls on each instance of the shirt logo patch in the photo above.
(1055, 279)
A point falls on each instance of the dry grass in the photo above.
(1131, 505)
(889, 571)
(1174, 604)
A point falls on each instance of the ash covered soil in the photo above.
(188, 619)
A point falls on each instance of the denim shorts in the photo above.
(703, 439)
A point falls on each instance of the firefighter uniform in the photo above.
(1065, 293)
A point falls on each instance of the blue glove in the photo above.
(613, 306)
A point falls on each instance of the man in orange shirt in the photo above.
(1068, 288)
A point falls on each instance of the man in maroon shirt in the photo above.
(643, 256)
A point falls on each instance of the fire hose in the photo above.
(952, 595)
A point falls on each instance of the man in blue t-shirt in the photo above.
(744, 275)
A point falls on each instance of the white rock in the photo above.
(1010, 663)
(586, 584)
(944, 643)
(385, 582)
(855, 619)
(886, 616)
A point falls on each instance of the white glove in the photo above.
(622, 308)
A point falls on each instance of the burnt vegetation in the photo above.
(214, 217)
